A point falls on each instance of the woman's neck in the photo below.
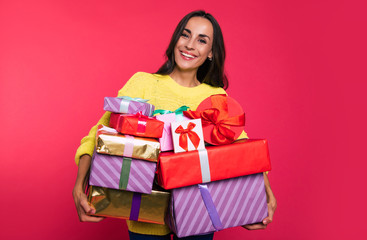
(185, 78)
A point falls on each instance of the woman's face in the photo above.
(195, 44)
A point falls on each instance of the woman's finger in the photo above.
(86, 218)
(86, 207)
(255, 226)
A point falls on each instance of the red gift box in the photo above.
(222, 118)
(243, 157)
(137, 125)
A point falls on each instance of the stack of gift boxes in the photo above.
(215, 182)
(124, 163)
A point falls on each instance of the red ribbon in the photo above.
(140, 115)
(188, 132)
(218, 116)
(142, 122)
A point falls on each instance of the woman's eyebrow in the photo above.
(200, 35)
(203, 35)
(187, 30)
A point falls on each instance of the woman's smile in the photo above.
(187, 56)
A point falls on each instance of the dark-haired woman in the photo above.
(193, 71)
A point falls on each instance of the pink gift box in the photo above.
(166, 139)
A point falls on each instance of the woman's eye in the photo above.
(202, 41)
(184, 35)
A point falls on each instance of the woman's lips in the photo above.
(187, 56)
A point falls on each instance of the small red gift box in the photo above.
(137, 125)
(222, 119)
(243, 157)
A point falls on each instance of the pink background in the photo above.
(296, 67)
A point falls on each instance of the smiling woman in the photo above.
(198, 35)
(194, 47)
(193, 71)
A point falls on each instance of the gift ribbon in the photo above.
(106, 129)
(218, 116)
(178, 112)
(133, 99)
(187, 132)
(129, 146)
(125, 101)
(204, 166)
(210, 207)
(142, 122)
(135, 206)
(125, 173)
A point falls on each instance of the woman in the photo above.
(194, 70)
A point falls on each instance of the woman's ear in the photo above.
(210, 55)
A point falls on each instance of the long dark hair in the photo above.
(210, 72)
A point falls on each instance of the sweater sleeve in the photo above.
(133, 88)
(88, 142)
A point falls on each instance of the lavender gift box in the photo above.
(206, 208)
(128, 105)
(122, 173)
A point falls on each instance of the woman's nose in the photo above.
(190, 44)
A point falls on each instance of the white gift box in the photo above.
(187, 135)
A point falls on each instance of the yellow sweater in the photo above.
(164, 93)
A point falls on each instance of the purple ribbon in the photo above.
(210, 207)
(135, 207)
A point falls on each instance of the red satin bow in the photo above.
(140, 115)
(188, 132)
(218, 116)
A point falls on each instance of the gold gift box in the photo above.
(113, 143)
(117, 204)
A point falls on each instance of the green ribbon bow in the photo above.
(178, 111)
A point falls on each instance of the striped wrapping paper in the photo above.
(236, 202)
(121, 105)
(122, 173)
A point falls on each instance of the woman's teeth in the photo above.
(187, 55)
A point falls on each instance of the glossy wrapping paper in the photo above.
(108, 141)
(126, 105)
(166, 139)
(222, 117)
(137, 125)
(199, 209)
(122, 173)
(243, 157)
(151, 208)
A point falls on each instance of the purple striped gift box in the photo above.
(122, 173)
(128, 105)
(218, 205)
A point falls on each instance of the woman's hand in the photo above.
(81, 203)
(272, 206)
(83, 208)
